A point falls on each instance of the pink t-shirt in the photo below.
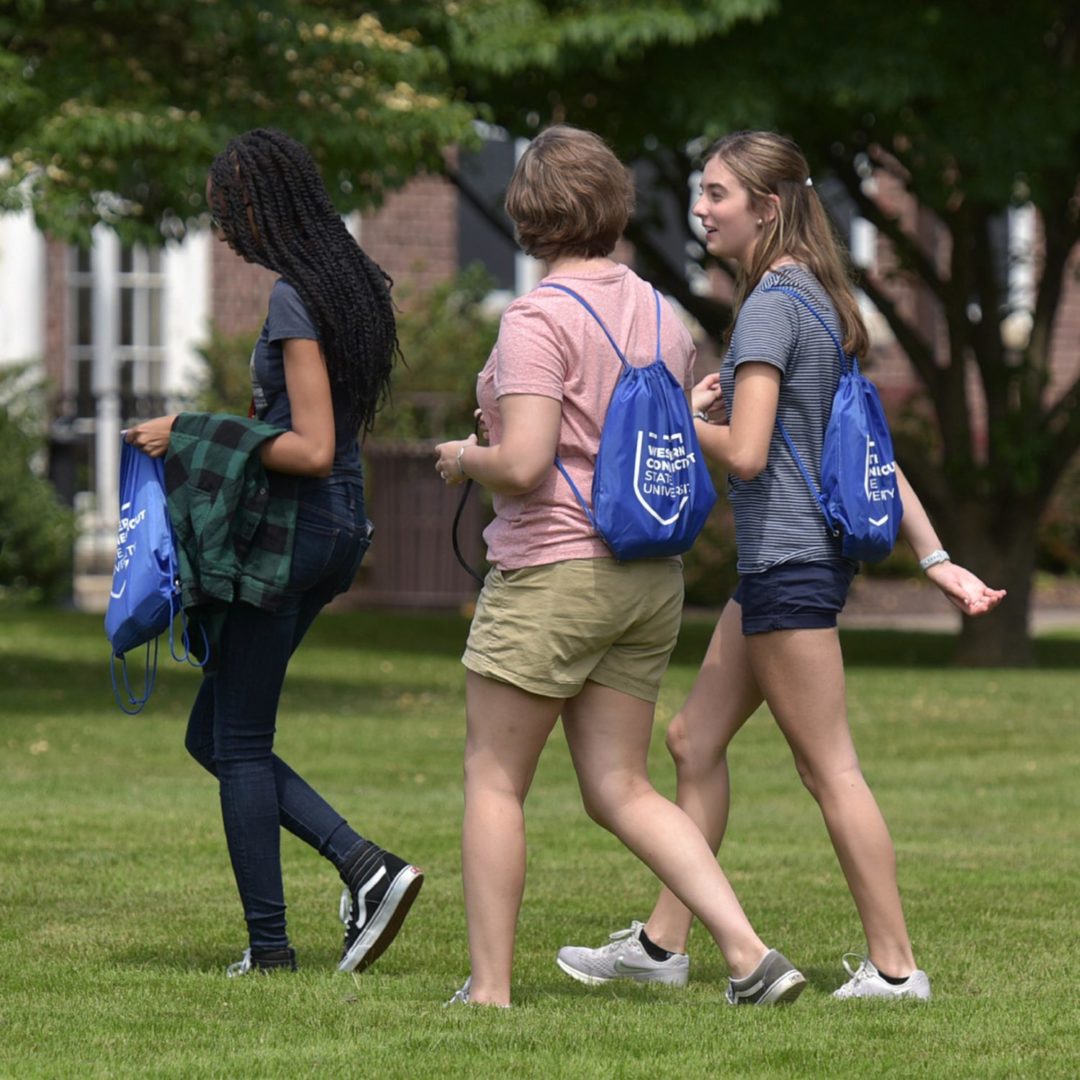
(551, 346)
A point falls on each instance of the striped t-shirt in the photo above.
(777, 520)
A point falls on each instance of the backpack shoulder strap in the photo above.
(845, 367)
(656, 296)
(589, 308)
(622, 359)
(845, 364)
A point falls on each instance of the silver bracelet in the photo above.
(460, 463)
(939, 555)
(702, 416)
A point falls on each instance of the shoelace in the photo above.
(461, 997)
(349, 912)
(862, 971)
(615, 941)
(241, 967)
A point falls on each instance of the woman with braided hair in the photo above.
(320, 370)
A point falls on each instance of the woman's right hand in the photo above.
(448, 460)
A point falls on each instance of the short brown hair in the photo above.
(569, 195)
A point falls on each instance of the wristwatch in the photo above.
(937, 556)
(702, 416)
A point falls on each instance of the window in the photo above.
(116, 332)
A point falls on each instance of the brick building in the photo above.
(118, 329)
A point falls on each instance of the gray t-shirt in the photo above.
(777, 520)
(288, 317)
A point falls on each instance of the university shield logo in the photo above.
(661, 476)
(878, 483)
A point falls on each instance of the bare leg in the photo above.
(724, 696)
(507, 729)
(802, 675)
(608, 733)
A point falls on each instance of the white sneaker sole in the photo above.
(386, 922)
(786, 989)
(645, 978)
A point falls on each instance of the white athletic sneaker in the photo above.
(462, 997)
(866, 982)
(623, 957)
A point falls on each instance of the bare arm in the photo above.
(516, 465)
(308, 448)
(741, 447)
(961, 587)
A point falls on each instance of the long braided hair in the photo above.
(273, 209)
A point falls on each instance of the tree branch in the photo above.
(712, 314)
(907, 248)
(1062, 422)
(917, 350)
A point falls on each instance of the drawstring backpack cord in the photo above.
(457, 519)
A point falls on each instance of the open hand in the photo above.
(964, 590)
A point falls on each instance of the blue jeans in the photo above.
(231, 727)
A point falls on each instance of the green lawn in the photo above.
(118, 912)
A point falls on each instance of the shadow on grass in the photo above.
(36, 685)
(888, 648)
(37, 677)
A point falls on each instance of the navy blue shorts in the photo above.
(794, 596)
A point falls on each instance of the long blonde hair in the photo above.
(769, 164)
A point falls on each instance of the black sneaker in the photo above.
(775, 981)
(374, 910)
(262, 960)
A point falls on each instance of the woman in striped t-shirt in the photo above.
(777, 639)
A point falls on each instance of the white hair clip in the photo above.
(809, 182)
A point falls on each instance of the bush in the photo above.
(709, 566)
(446, 335)
(1059, 529)
(226, 383)
(37, 533)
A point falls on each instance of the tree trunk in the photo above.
(1000, 548)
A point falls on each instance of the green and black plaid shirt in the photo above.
(234, 521)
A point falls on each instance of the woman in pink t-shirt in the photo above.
(561, 628)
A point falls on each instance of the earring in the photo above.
(760, 223)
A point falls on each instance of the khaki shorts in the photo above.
(548, 629)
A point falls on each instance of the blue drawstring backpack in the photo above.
(859, 495)
(145, 594)
(652, 492)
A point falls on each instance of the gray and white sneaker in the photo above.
(624, 957)
(866, 982)
(775, 981)
(462, 997)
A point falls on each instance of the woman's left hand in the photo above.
(707, 395)
(151, 436)
(448, 464)
(964, 590)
